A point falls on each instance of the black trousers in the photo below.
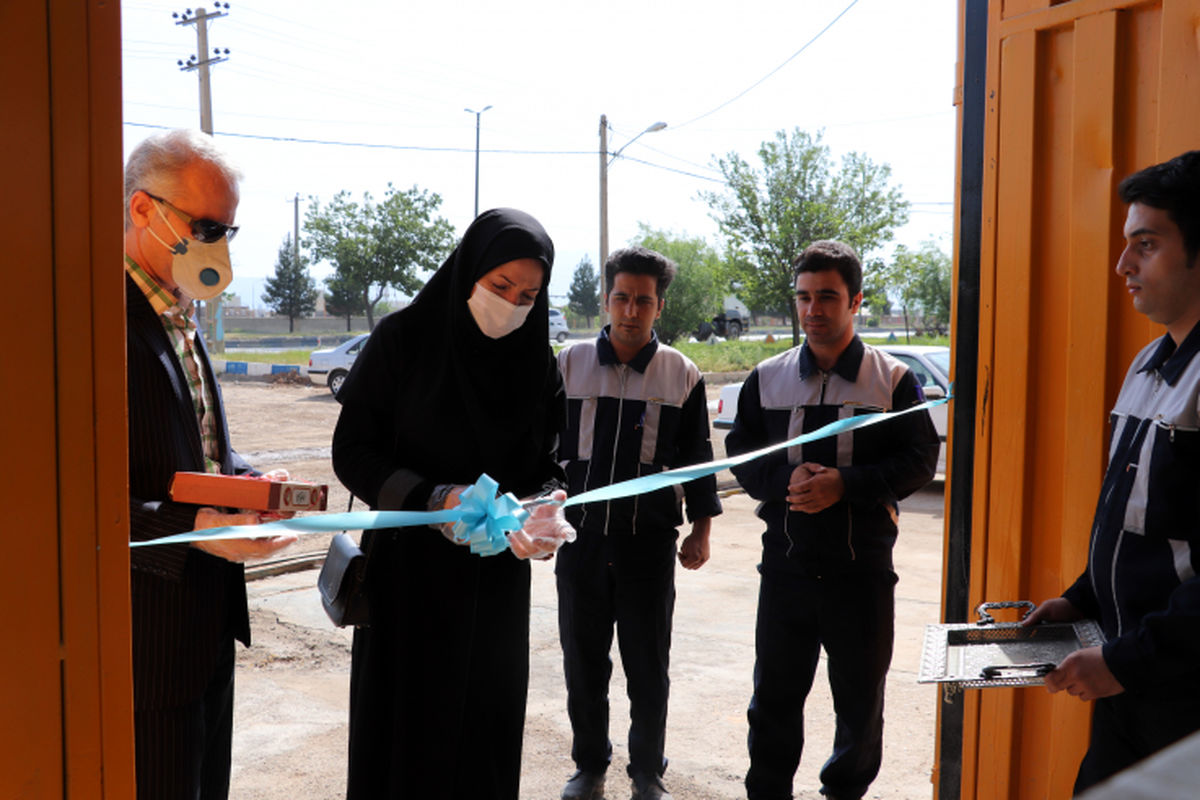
(185, 752)
(607, 581)
(1129, 727)
(852, 617)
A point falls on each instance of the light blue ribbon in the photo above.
(483, 519)
(314, 523)
(660, 480)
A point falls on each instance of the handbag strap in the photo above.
(368, 545)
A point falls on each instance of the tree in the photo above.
(583, 298)
(343, 300)
(695, 294)
(875, 302)
(768, 216)
(292, 292)
(920, 280)
(376, 245)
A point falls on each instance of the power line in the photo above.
(377, 145)
(673, 169)
(671, 156)
(789, 59)
(428, 149)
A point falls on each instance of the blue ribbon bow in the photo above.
(487, 517)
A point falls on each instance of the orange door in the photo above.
(65, 687)
(1078, 95)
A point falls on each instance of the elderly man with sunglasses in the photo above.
(189, 602)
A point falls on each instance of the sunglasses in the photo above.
(204, 230)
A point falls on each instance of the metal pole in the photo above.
(603, 198)
(477, 114)
(296, 228)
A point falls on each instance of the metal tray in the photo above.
(987, 654)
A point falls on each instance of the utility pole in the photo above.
(296, 227)
(202, 62)
(477, 114)
(604, 162)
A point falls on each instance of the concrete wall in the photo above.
(278, 325)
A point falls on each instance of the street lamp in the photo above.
(477, 115)
(604, 162)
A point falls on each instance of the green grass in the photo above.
(731, 356)
(285, 357)
(944, 341)
(739, 356)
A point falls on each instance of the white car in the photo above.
(558, 326)
(930, 365)
(335, 363)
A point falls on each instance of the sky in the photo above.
(319, 97)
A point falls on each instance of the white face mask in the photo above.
(494, 315)
(200, 270)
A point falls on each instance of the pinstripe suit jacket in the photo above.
(187, 605)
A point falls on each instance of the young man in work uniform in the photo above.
(1140, 582)
(635, 407)
(831, 508)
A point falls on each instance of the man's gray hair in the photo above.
(155, 164)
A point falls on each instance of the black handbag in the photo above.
(343, 582)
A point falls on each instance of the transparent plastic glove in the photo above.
(544, 532)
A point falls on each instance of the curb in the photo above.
(254, 370)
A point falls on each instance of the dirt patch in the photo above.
(279, 644)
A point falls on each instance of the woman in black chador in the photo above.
(461, 382)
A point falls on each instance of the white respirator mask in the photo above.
(494, 315)
(201, 270)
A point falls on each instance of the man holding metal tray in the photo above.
(1140, 581)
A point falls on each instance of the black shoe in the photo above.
(584, 786)
(649, 787)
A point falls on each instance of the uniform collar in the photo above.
(1170, 361)
(847, 364)
(608, 356)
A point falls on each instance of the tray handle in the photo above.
(986, 619)
(996, 671)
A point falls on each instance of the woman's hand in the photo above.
(544, 532)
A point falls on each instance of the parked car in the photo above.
(930, 365)
(729, 324)
(335, 363)
(558, 326)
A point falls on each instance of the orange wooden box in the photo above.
(253, 494)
